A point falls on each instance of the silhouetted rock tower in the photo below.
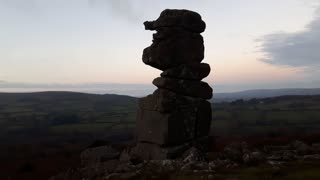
(178, 111)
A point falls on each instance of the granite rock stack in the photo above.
(178, 111)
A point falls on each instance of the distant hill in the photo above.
(262, 93)
(43, 114)
(113, 99)
(62, 95)
(61, 101)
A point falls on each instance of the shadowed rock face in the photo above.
(177, 41)
(188, 72)
(177, 113)
(172, 51)
(189, 88)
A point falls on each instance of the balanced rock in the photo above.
(177, 113)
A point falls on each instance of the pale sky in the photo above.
(249, 44)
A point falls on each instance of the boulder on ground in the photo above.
(253, 158)
(98, 154)
(235, 151)
(300, 147)
(149, 151)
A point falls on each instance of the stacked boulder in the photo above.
(178, 111)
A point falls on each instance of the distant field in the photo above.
(63, 114)
(67, 114)
(279, 115)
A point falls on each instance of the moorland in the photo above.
(44, 133)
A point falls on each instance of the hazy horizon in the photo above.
(136, 90)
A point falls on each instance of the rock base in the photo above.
(168, 119)
(148, 151)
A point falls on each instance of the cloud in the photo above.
(299, 49)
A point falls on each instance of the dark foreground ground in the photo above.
(291, 171)
(237, 160)
(42, 134)
(298, 170)
(308, 170)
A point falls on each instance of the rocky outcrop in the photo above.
(192, 162)
(178, 112)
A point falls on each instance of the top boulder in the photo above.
(188, 20)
